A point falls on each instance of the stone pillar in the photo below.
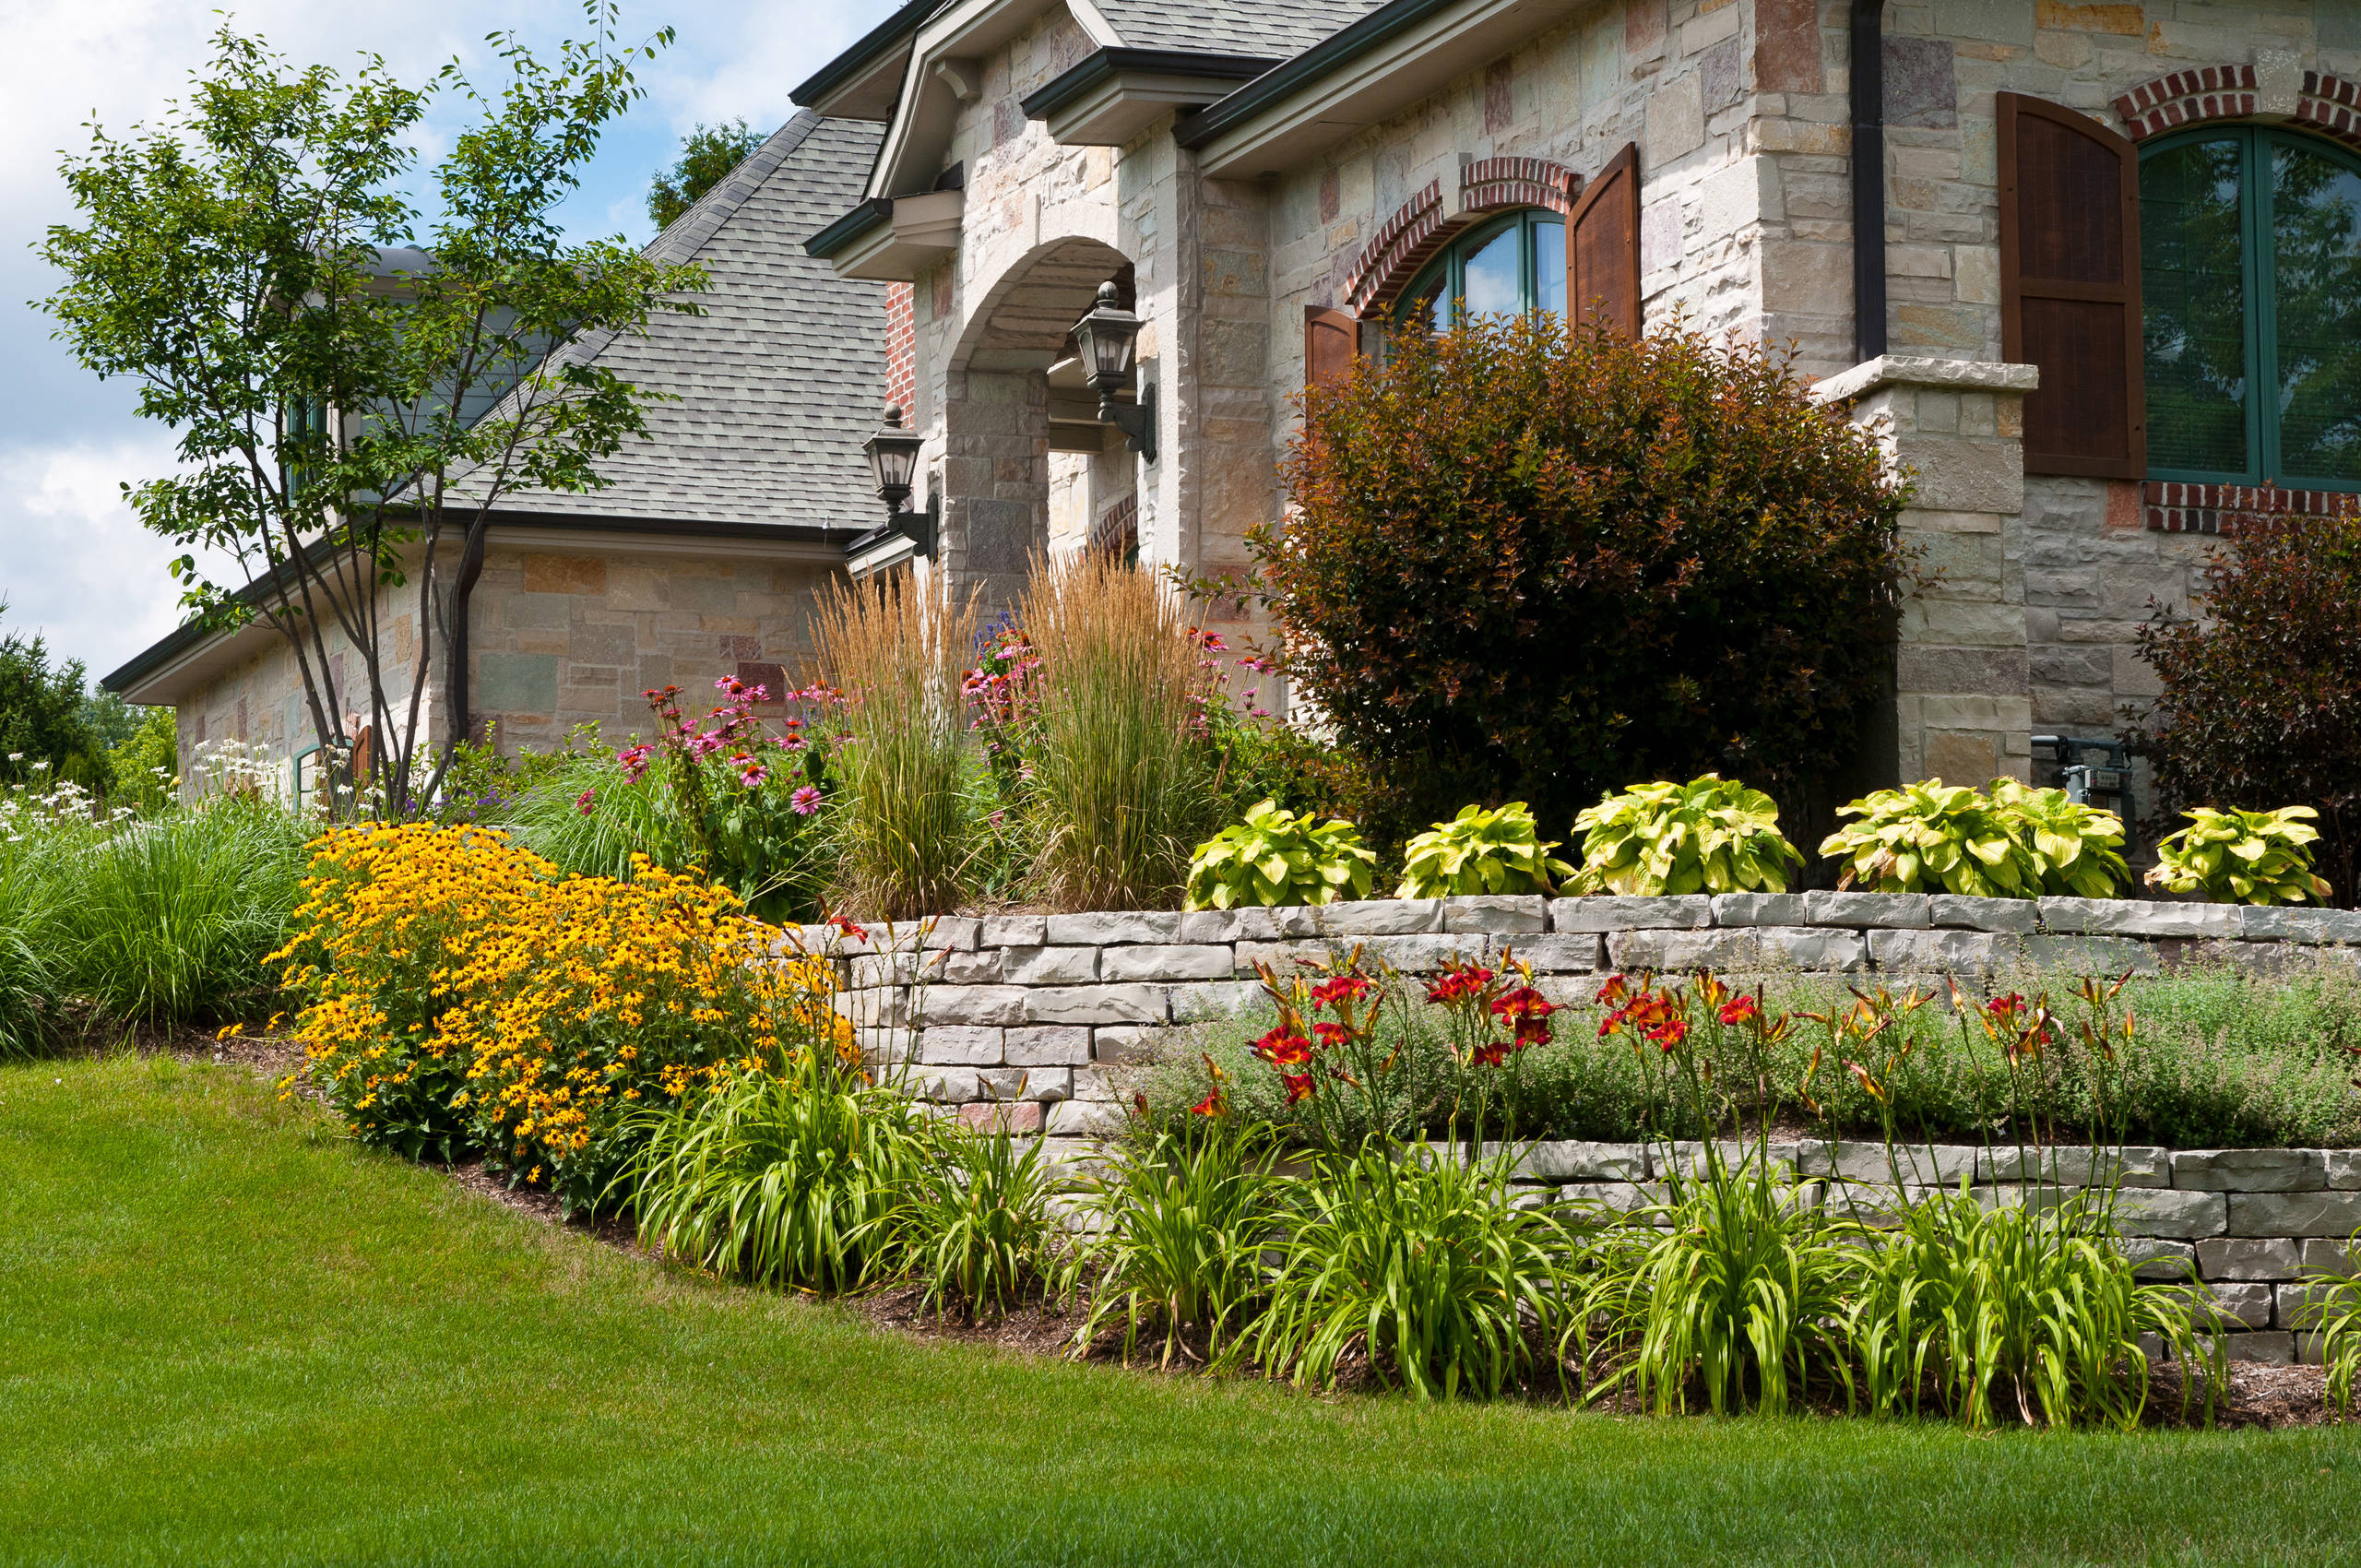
(1963, 701)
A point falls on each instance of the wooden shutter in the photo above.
(1330, 338)
(1603, 247)
(2069, 287)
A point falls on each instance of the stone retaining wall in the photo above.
(2252, 1222)
(1033, 1009)
(1028, 1020)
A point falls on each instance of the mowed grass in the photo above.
(227, 1336)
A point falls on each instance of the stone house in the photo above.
(704, 554)
(2091, 266)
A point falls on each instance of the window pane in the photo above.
(1424, 309)
(1492, 287)
(2193, 306)
(1550, 267)
(2315, 212)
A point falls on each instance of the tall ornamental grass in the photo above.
(899, 653)
(1123, 776)
(167, 921)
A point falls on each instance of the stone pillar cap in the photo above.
(1915, 370)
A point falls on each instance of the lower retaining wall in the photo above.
(2251, 1222)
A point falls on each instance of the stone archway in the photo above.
(1015, 442)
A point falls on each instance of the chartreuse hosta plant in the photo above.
(1278, 857)
(1711, 835)
(1481, 851)
(2016, 842)
(2236, 857)
(1932, 837)
(2077, 846)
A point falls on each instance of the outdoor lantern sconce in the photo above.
(1105, 339)
(893, 454)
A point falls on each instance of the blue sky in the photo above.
(74, 563)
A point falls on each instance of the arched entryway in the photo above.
(1026, 466)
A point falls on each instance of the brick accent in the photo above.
(901, 341)
(1401, 246)
(1491, 183)
(2328, 105)
(2223, 509)
(2209, 92)
(1119, 527)
(1410, 238)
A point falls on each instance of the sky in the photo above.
(75, 565)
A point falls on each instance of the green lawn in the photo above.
(231, 1336)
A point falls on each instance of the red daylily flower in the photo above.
(1298, 1086)
(1344, 986)
(1284, 1048)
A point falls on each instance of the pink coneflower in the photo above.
(584, 801)
(804, 801)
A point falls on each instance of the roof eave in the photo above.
(1362, 74)
(1114, 94)
(863, 82)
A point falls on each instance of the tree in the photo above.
(350, 413)
(2261, 704)
(708, 154)
(1530, 565)
(44, 735)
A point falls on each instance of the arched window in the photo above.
(2250, 286)
(1512, 264)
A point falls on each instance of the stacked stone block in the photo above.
(1028, 1019)
(2253, 1224)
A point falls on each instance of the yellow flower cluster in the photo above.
(460, 993)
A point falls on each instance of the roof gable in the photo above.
(775, 386)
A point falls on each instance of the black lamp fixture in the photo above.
(1105, 338)
(893, 453)
(892, 460)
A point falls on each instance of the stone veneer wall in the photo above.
(1028, 1020)
(2251, 1222)
(1035, 1011)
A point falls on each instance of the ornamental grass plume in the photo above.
(898, 652)
(1123, 784)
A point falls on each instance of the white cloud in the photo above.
(75, 563)
(72, 561)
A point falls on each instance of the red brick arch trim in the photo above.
(1490, 184)
(1400, 247)
(2325, 103)
(1411, 237)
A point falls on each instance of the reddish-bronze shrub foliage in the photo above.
(2261, 703)
(1531, 567)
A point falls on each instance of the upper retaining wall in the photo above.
(1032, 1009)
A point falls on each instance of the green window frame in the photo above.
(1435, 297)
(2181, 244)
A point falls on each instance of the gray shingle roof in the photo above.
(1276, 28)
(780, 380)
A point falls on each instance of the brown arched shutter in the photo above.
(1603, 247)
(2069, 287)
(1331, 337)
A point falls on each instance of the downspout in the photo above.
(1867, 80)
